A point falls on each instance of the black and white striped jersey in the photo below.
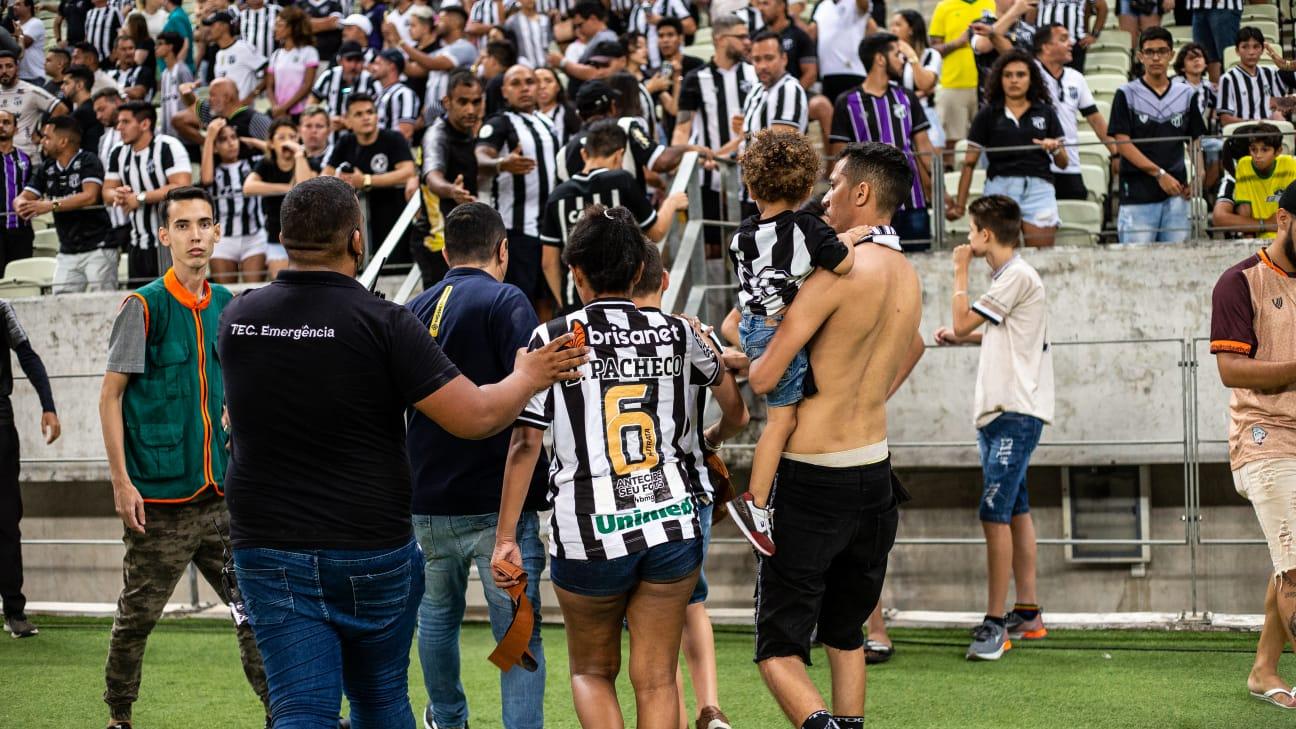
(110, 140)
(1246, 96)
(135, 76)
(1235, 5)
(397, 103)
(627, 460)
(783, 104)
(641, 152)
(256, 26)
(663, 9)
(464, 53)
(715, 96)
(774, 257)
(609, 188)
(533, 37)
(332, 89)
(169, 95)
(1069, 14)
(145, 171)
(237, 214)
(520, 199)
(101, 28)
(562, 7)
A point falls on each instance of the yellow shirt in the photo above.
(1262, 192)
(950, 21)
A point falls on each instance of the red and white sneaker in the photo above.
(753, 522)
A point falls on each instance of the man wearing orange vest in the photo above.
(161, 409)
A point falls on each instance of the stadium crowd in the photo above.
(141, 132)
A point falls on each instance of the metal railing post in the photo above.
(937, 203)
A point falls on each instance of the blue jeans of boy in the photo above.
(330, 620)
(451, 546)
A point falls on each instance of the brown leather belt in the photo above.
(513, 649)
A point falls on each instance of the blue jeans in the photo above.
(914, 228)
(755, 334)
(1216, 31)
(1161, 222)
(1006, 444)
(451, 546)
(330, 620)
(704, 525)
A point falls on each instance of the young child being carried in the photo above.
(773, 254)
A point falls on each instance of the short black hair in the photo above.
(77, 72)
(357, 98)
(884, 167)
(141, 110)
(650, 280)
(504, 53)
(473, 232)
(180, 194)
(673, 23)
(1155, 33)
(60, 51)
(1000, 215)
(768, 34)
(1181, 59)
(1044, 36)
(1249, 32)
(604, 137)
(607, 245)
(108, 93)
(171, 38)
(874, 44)
(86, 47)
(590, 9)
(1265, 133)
(319, 216)
(455, 10)
(9, 54)
(461, 77)
(66, 125)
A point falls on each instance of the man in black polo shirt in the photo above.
(479, 322)
(318, 374)
(67, 183)
(1153, 177)
(449, 168)
(377, 162)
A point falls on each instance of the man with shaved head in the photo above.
(222, 102)
(516, 149)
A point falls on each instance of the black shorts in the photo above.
(834, 528)
(1069, 187)
(838, 84)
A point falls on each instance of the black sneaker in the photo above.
(430, 723)
(753, 522)
(18, 626)
(120, 725)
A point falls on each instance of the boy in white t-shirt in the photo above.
(1013, 401)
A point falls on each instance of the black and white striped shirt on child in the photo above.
(774, 257)
(239, 215)
(1246, 96)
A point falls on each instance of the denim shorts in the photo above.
(704, 524)
(755, 333)
(1034, 195)
(1216, 31)
(1006, 444)
(663, 563)
(1159, 222)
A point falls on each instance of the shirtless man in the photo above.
(836, 500)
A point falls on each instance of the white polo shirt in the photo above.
(1071, 96)
(1015, 372)
(841, 27)
(242, 64)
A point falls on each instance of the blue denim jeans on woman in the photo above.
(331, 620)
(451, 546)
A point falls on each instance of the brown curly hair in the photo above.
(780, 166)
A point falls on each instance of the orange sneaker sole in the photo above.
(1034, 634)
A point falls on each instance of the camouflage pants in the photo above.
(155, 561)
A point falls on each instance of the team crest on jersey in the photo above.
(486, 131)
(379, 163)
(1258, 434)
(74, 180)
(640, 138)
(899, 112)
(744, 87)
(1074, 92)
(1143, 118)
(1278, 302)
(1038, 121)
(1177, 120)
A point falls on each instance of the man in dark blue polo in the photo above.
(479, 322)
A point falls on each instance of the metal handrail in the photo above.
(394, 237)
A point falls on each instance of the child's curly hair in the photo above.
(780, 166)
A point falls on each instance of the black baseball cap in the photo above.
(220, 16)
(350, 49)
(1288, 200)
(396, 57)
(595, 97)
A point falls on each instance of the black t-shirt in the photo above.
(385, 203)
(91, 130)
(318, 374)
(688, 65)
(994, 127)
(74, 15)
(480, 323)
(641, 152)
(799, 48)
(268, 171)
(453, 153)
(1141, 113)
(326, 41)
(79, 230)
(494, 92)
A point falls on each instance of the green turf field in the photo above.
(1140, 680)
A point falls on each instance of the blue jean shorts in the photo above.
(1006, 444)
(663, 563)
(704, 524)
(1035, 196)
(755, 333)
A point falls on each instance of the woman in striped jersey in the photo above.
(627, 476)
(241, 247)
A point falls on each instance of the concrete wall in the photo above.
(1110, 392)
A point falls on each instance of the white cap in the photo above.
(356, 20)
